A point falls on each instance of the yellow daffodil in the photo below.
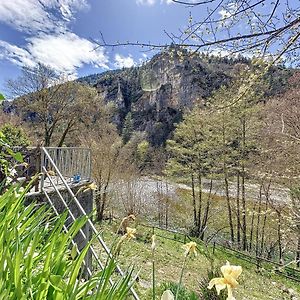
(130, 233)
(230, 275)
(153, 245)
(51, 173)
(92, 186)
(125, 222)
(167, 295)
(189, 248)
(127, 236)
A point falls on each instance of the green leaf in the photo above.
(57, 282)
(18, 156)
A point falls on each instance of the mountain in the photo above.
(155, 95)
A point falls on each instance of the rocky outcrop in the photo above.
(158, 92)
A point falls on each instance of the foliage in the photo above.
(36, 261)
(15, 136)
(127, 128)
(55, 107)
(210, 294)
(183, 293)
(7, 158)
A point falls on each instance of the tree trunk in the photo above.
(244, 223)
(266, 192)
(238, 210)
(252, 227)
(199, 222)
(298, 249)
(194, 201)
(206, 213)
(258, 220)
(279, 234)
(263, 229)
(228, 204)
(66, 131)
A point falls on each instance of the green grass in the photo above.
(169, 258)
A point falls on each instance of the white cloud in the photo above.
(62, 52)
(50, 41)
(123, 62)
(39, 15)
(146, 2)
(16, 55)
(229, 11)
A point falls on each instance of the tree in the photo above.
(236, 27)
(15, 135)
(127, 128)
(53, 106)
(103, 139)
(295, 212)
(190, 156)
(281, 146)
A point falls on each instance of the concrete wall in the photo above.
(85, 199)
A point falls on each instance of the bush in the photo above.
(36, 260)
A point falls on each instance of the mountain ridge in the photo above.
(156, 94)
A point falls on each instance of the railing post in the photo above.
(42, 165)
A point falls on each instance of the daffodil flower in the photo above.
(130, 233)
(230, 273)
(153, 245)
(127, 236)
(189, 248)
(167, 295)
(92, 186)
(51, 173)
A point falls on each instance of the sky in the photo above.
(63, 33)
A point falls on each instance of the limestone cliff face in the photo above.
(157, 92)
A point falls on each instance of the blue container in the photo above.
(76, 178)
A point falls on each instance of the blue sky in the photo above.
(61, 33)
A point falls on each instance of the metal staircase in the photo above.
(58, 167)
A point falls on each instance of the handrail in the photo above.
(45, 155)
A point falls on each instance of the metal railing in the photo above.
(51, 164)
(74, 164)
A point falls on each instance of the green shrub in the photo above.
(15, 135)
(35, 256)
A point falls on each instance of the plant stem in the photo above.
(153, 276)
(181, 276)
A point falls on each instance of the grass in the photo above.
(169, 258)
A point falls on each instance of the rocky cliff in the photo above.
(156, 93)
